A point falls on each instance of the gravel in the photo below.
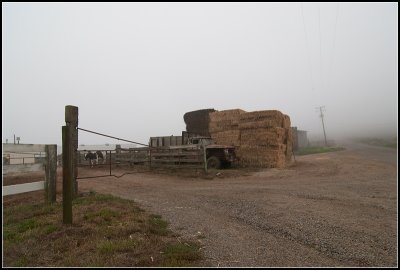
(331, 209)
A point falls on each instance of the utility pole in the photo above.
(323, 125)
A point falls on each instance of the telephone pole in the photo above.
(322, 118)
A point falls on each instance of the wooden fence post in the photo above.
(205, 158)
(51, 173)
(150, 157)
(67, 174)
(71, 119)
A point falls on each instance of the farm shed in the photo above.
(300, 139)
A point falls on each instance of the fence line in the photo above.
(48, 163)
(19, 148)
(22, 188)
(152, 157)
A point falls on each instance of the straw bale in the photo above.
(222, 126)
(229, 137)
(262, 136)
(256, 116)
(257, 124)
(286, 121)
(264, 149)
(261, 150)
(260, 156)
(226, 115)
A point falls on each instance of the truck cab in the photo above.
(217, 155)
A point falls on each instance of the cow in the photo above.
(92, 158)
(100, 157)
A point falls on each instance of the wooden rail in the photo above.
(49, 164)
(155, 157)
(177, 158)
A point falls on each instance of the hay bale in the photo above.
(222, 126)
(257, 124)
(226, 115)
(228, 137)
(273, 115)
(286, 121)
(197, 121)
(262, 136)
(224, 120)
(256, 156)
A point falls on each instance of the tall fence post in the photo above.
(71, 119)
(205, 158)
(51, 173)
(110, 161)
(150, 150)
(68, 177)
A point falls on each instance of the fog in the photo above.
(134, 69)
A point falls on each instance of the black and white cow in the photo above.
(100, 157)
(92, 158)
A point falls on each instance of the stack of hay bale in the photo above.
(265, 139)
(261, 138)
(197, 122)
(224, 127)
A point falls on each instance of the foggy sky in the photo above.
(134, 69)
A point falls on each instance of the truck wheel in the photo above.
(213, 163)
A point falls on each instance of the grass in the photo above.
(181, 254)
(317, 150)
(391, 143)
(157, 225)
(107, 232)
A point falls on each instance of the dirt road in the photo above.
(332, 209)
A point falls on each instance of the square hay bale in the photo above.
(223, 125)
(251, 161)
(262, 136)
(228, 137)
(257, 124)
(286, 121)
(259, 156)
(226, 115)
(224, 120)
(275, 116)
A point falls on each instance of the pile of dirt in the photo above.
(261, 138)
(197, 122)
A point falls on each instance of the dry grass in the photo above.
(106, 231)
(317, 150)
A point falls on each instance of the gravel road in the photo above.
(331, 209)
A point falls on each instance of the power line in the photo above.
(307, 52)
(333, 43)
(111, 137)
(320, 43)
(322, 118)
